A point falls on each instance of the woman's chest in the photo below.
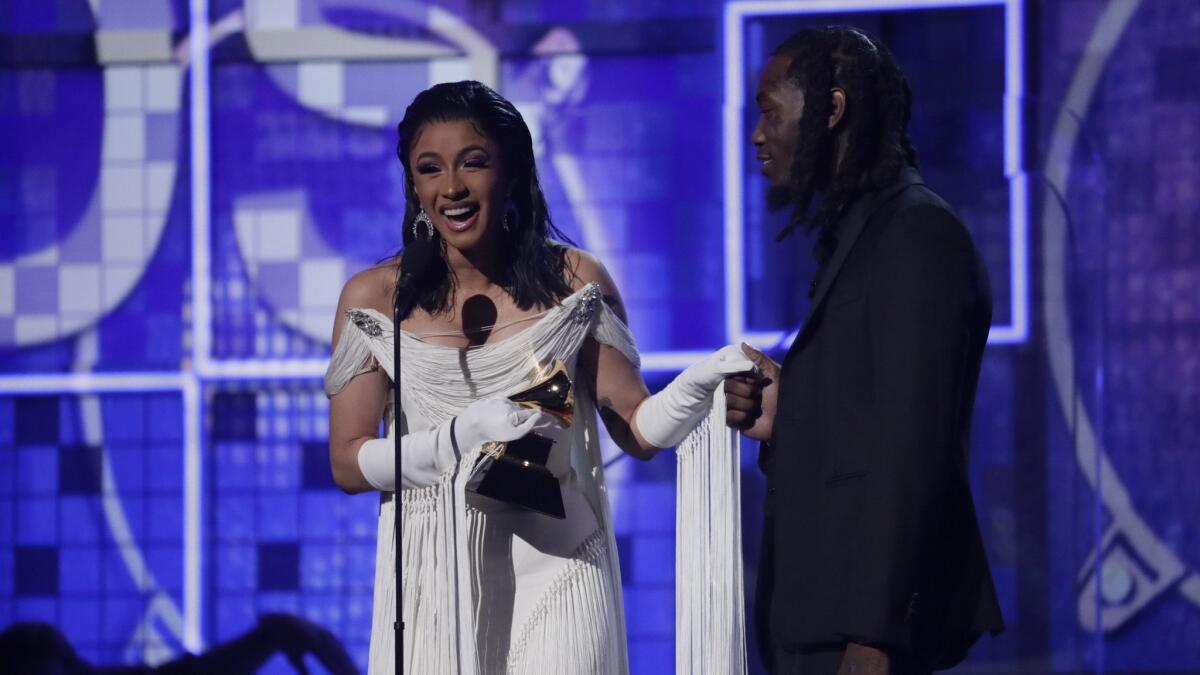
(477, 322)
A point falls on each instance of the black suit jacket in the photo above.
(872, 535)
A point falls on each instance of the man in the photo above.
(872, 559)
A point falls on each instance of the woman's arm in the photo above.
(639, 423)
(615, 382)
(356, 410)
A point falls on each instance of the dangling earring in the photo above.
(510, 216)
(423, 218)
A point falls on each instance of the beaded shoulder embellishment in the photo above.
(365, 322)
(589, 300)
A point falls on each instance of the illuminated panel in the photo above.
(736, 14)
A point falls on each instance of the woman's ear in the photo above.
(838, 99)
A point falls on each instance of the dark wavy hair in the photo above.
(535, 273)
(875, 122)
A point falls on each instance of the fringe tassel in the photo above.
(710, 619)
(430, 600)
(572, 629)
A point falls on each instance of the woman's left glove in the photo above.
(666, 417)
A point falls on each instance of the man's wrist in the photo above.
(863, 659)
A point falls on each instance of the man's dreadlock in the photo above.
(878, 108)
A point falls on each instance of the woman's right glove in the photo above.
(425, 455)
(498, 419)
(666, 417)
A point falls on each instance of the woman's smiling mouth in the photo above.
(461, 217)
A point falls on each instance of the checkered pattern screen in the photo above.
(283, 537)
(305, 190)
(157, 325)
(91, 520)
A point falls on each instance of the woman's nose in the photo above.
(454, 188)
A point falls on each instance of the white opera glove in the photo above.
(425, 455)
(666, 417)
(498, 419)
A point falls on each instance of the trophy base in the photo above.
(517, 475)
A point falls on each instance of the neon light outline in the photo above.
(736, 12)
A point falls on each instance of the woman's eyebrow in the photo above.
(472, 148)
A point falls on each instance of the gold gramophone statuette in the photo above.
(515, 472)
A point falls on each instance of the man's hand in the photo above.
(864, 660)
(750, 401)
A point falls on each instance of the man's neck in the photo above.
(825, 179)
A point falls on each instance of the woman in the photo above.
(489, 587)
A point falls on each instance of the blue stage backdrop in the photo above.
(185, 186)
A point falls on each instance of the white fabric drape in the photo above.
(575, 624)
(575, 619)
(710, 615)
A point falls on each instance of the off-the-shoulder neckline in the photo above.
(540, 318)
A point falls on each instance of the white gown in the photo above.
(490, 588)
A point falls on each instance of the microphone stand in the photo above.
(398, 516)
(415, 261)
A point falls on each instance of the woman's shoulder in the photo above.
(371, 288)
(583, 268)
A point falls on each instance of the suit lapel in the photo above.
(848, 231)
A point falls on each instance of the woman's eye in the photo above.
(427, 168)
(475, 163)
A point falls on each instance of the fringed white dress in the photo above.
(490, 588)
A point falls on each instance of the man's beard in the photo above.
(793, 190)
(779, 197)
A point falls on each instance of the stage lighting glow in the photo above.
(90, 383)
(193, 511)
(193, 607)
